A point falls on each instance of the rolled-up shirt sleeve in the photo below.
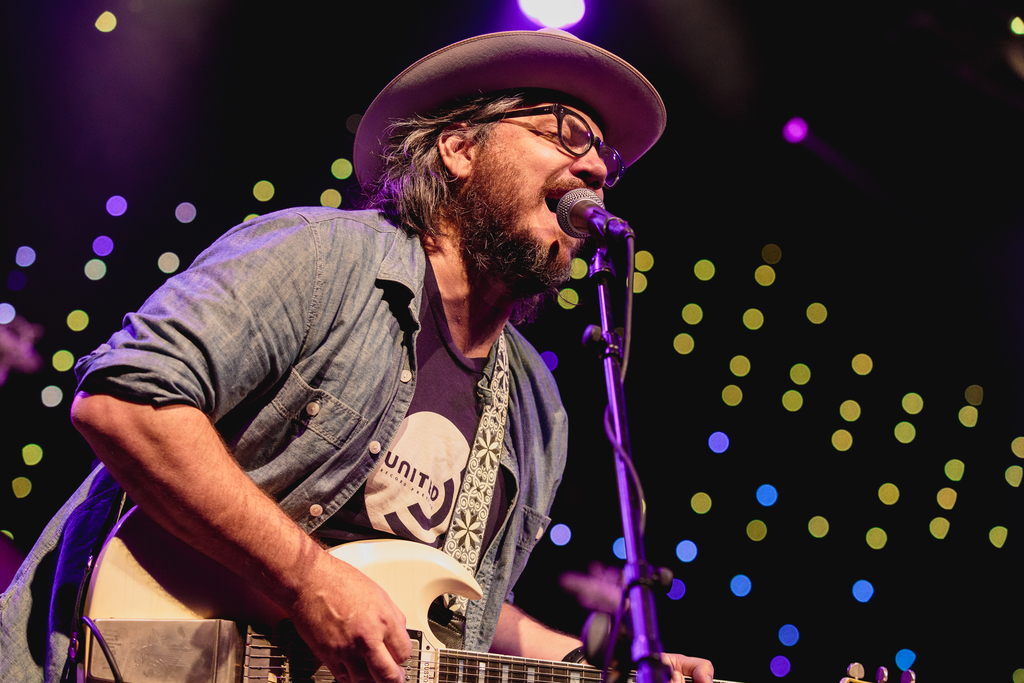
(226, 328)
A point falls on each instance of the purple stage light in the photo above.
(550, 359)
(678, 590)
(553, 13)
(686, 551)
(102, 246)
(560, 534)
(25, 256)
(780, 666)
(795, 130)
(117, 205)
(16, 281)
(718, 442)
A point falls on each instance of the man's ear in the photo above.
(457, 152)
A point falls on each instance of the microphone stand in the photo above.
(646, 646)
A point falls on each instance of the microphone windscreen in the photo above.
(582, 197)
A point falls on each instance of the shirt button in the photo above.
(316, 509)
(375, 447)
(312, 409)
(406, 376)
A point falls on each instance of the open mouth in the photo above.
(552, 203)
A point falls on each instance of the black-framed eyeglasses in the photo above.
(575, 136)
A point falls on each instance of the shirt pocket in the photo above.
(304, 425)
(531, 530)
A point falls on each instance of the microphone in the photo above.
(581, 214)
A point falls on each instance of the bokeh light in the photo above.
(974, 395)
(739, 366)
(185, 212)
(1014, 474)
(106, 22)
(939, 527)
(968, 416)
(997, 536)
(818, 526)
(756, 530)
(800, 374)
(764, 275)
(771, 253)
(579, 269)
(842, 440)
(732, 395)
(888, 494)
(63, 361)
(876, 538)
(168, 262)
(862, 364)
(912, 403)
(1017, 446)
(25, 256)
(905, 659)
(701, 503)
(1017, 26)
(639, 283)
(32, 454)
(946, 498)
(330, 197)
(753, 319)
(686, 551)
(643, 261)
(52, 396)
(568, 298)
(102, 246)
(553, 13)
(341, 169)
(817, 313)
(7, 313)
(954, 469)
(95, 269)
(550, 359)
(905, 432)
(619, 548)
(21, 486)
(263, 191)
(117, 205)
(795, 130)
(78, 320)
(683, 344)
(740, 585)
(678, 590)
(718, 442)
(767, 495)
(692, 314)
(849, 411)
(704, 270)
(560, 534)
(863, 590)
(780, 666)
(792, 400)
(789, 635)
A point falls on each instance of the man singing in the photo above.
(318, 376)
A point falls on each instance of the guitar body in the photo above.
(144, 572)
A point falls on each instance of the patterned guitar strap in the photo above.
(464, 540)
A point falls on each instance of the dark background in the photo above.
(902, 213)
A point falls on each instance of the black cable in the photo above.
(627, 322)
(106, 650)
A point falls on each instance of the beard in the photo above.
(496, 241)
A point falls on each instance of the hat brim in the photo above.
(631, 110)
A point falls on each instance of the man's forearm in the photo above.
(520, 635)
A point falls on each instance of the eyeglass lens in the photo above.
(576, 136)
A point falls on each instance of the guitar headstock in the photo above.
(855, 674)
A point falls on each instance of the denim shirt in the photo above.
(296, 333)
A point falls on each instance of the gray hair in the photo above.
(414, 186)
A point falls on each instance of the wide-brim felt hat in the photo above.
(630, 110)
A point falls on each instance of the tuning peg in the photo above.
(882, 675)
(908, 677)
(855, 670)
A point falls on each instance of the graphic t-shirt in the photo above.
(411, 492)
